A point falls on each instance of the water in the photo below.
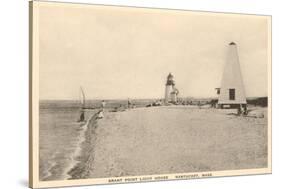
(61, 136)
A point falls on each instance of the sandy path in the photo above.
(176, 139)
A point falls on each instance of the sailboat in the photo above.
(82, 101)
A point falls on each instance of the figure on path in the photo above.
(100, 113)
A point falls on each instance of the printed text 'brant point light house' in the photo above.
(171, 92)
(232, 93)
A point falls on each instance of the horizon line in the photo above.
(143, 98)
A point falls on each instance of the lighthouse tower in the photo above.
(232, 92)
(171, 92)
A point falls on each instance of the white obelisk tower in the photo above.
(232, 92)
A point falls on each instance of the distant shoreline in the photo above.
(125, 99)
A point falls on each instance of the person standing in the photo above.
(129, 103)
(103, 104)
(100, 113)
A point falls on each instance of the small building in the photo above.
(171, 92)
(231, 93)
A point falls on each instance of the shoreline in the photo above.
(78, 150)
(85, 153)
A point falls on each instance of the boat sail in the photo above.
(82, 97)
(82, 101)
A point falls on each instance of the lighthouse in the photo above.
(171, 93)
(231, 94)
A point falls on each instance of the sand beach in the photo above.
(171, 139)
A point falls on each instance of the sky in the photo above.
(119, 52)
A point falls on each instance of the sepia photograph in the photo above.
(127, 94)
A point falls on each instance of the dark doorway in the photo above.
(231, 94)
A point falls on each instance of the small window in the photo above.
(231, 94)
(218, 91)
